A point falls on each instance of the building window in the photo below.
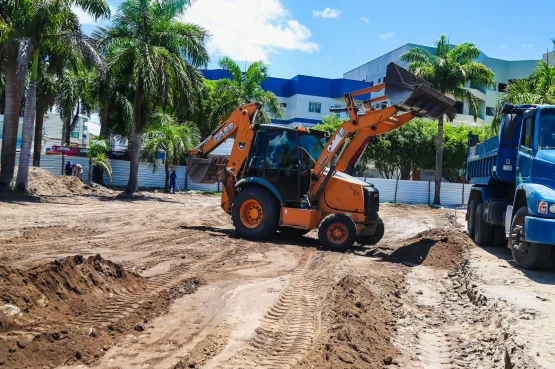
(501, 87)
(314, 107)
(384, 80)
(490, 111)
(283, 105)
(379, 80)
(459, 105)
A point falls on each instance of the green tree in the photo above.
(166, 136)
(448, 70)
(539, 88)
(245, 88)
(97, 157)
(400, 153)
(162, 56)
(330, 123)
(50, 21)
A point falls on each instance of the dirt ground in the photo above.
(161, 281)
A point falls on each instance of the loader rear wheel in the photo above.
(483, 232)
(529, 255)
(375, 238)
(337, 232)
(255, 213)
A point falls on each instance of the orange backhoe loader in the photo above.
(292, 179)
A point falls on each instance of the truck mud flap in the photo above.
(206, 170)
(414, 94)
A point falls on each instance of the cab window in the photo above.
(527, 139)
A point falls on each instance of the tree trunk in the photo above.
(89, 180)
(135, 151)
(104, 136)
(39, 120)
(22, 180)
(405, 173)
(167, 181)
(11, 123)
(439, 161)
(67, 131)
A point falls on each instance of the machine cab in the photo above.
(536, 149)
(284, 156)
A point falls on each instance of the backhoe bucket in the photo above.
(208, 171)
(414, 94)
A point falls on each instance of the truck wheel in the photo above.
(337, 232)
(499, 238)
(483, 232)
(293, 232)
(472, 205)
(255, 213)
(528, 255)
(375, 238)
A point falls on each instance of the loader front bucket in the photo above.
(209, 170)
(414, 94)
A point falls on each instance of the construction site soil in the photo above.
(161, 281)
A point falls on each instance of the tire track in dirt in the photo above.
(290, 326)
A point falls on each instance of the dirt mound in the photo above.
(60, 295)
(45, 286)
(436, 247)
(356, 329)
(43, 183)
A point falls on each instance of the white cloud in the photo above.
(86, 18)
(528, 46)
(365, 20)
(327, 13)
(249, 29)
(388, 35)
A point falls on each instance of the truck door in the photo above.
(525, 158)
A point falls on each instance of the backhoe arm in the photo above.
(238, 124)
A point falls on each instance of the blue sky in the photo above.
(328, 38)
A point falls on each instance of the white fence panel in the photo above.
(409, 192)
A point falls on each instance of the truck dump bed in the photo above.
(494, 160)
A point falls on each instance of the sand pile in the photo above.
(43, 183)
(437, 247)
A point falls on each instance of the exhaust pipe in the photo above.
(411, 93)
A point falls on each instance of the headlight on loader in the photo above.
(552, 209)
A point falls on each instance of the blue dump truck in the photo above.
(513, 192)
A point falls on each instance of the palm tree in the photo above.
(47, 90)
(97, 157)
(162, 55)
(448, 70)
(243, 89)
(539, 88)
(50, 21)
(14, 50)
(167, 136)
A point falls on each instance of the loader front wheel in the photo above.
(337, 232)
(255, 213)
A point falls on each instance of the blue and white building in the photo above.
(504, 70)
(305, 100)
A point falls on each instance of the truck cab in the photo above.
(513, 193)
